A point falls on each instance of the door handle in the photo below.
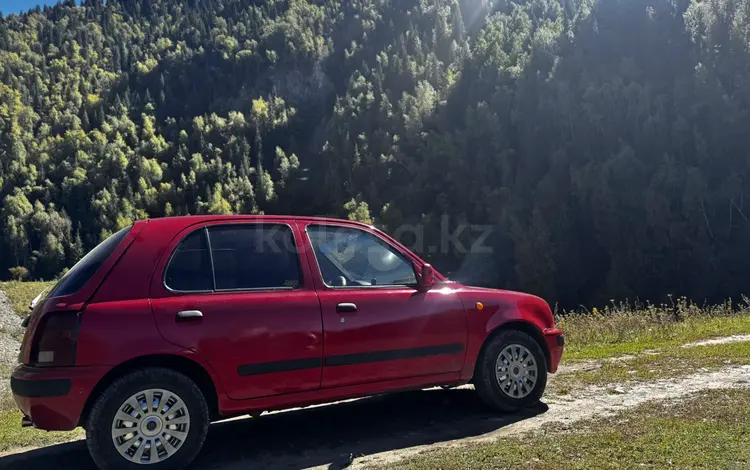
(346, 308)
(189, 315)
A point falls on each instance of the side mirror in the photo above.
(427, 278)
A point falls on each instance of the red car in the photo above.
(172, 323)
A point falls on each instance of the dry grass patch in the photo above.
(621, 329)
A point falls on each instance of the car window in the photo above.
(353, 257)
(254, 257)
(84, 269)
(190, 266)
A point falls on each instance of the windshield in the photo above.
(79, 274)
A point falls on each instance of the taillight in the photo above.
(55, 340)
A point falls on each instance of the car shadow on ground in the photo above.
(328, 436)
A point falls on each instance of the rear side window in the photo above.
(190, 266)
(84, 269)
(254, 257)
(235, 257)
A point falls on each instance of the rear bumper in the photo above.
(53, 398)
(46, 388)
(555, 344)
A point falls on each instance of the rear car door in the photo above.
(237, 294)
(378, 325)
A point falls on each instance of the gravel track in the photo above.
(10, 331)
(715, 341)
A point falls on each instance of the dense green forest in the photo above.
(606, 142)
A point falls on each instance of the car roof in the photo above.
(187, 220)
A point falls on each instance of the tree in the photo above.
(602, 144)
(19, 273)
(358, 211)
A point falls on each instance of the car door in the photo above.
(377, 324)
(237, 294)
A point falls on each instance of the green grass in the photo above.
(12, 436)
(22, 293)
(625, 329)
(670, 362)
(709, 430)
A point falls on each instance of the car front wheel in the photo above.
(511, 371)
(156, 417)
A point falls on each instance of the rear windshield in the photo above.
(79, 274)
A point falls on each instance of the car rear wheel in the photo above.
(511, 371)
(155, 417)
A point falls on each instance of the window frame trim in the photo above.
(171, 258)
(400, 254)
(207, 238)
(210, 256)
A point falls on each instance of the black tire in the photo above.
(485, 379)
(99, 425)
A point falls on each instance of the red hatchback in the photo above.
(172, 323)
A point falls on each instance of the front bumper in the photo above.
(555, 344)
(53, 398)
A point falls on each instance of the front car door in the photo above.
(237, 294)
(377, 324)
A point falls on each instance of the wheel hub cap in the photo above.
(516, 371)
(150, 426)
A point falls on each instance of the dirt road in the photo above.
(385, 429)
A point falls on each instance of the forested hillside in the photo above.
(607, 142)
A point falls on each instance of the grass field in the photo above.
(710, 430)
(673, 361)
